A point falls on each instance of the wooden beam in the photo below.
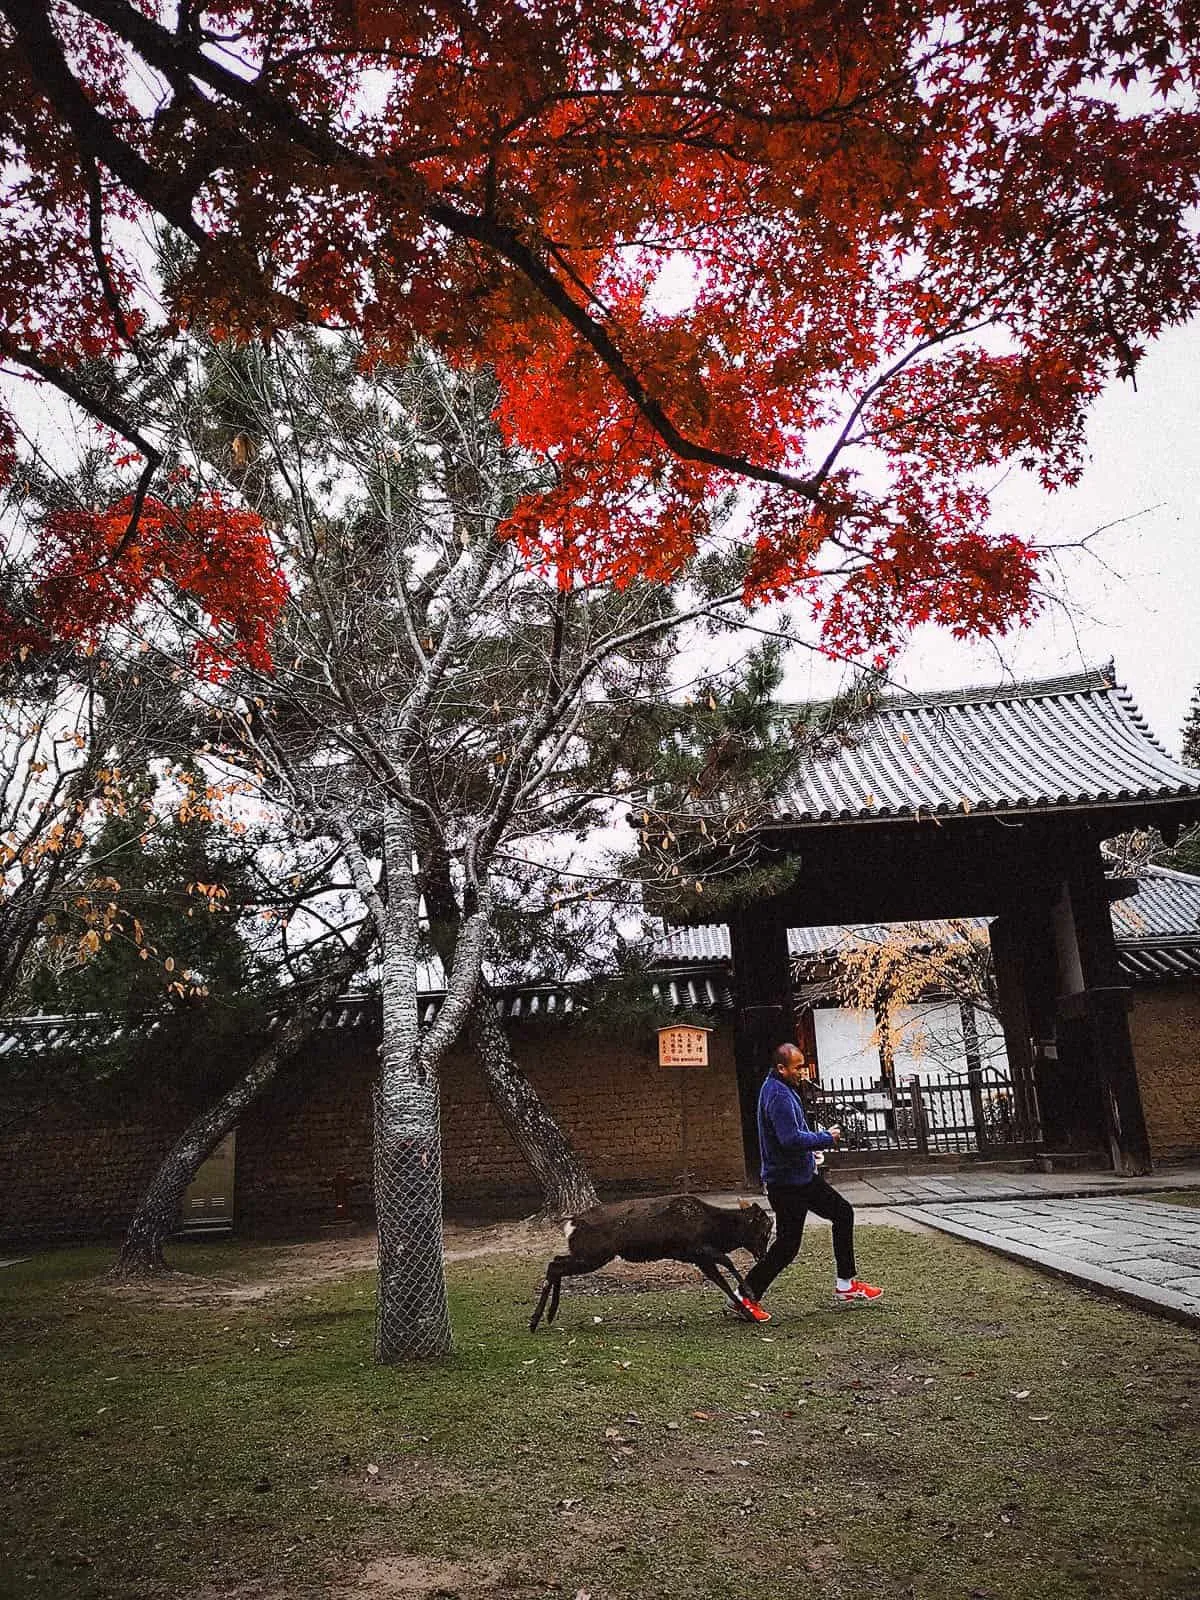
(1103, 1008)
(765, 1015)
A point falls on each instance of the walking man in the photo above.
(795, 1187)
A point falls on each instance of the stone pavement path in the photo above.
(890, 1188)
(1133, 1247)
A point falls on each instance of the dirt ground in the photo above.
(293, 1266)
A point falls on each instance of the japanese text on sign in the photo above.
(683, 1047)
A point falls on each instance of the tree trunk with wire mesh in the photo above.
(412, 1315)
(565, 1182)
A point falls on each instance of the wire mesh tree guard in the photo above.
(412, 1319)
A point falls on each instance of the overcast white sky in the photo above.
(1145, 449)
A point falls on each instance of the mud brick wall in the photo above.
(308, 1135)
(1165, 1025)
(637, 1125)
(74, 1166)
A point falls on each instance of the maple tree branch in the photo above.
(170, 54)
(507, 243)
(96, 239)
(93, 132)
(103, 413)
(953, 331)
(167, 53)
(77, 391)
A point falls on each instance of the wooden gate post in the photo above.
(766, 1015)
(1102, 1005)
(970, 1033)
(920, 1124)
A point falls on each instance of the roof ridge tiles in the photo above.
(1087, 681)
(1131, 708)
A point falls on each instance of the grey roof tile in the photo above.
(1166, 903)
(1064, 742)
(1152, 962)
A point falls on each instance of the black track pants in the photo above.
(791, 1203)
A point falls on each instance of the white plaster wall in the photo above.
(845, 1051)
(844, 1048)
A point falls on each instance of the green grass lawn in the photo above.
(1175, 1197)
(983, 1432)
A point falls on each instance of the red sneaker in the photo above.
(857, 1292)
(751, 1309)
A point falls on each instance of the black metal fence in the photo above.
(987, 1110)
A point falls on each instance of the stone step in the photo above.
(933, 1167)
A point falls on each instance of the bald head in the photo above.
(790, 1063)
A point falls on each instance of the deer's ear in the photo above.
(743, 1205)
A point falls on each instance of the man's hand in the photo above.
(835, 1133)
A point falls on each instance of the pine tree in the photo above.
(1190, 733)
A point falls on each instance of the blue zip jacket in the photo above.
(784, 1136)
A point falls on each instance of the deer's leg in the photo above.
(724, 1261)
(708, 1266)
(542, 1298)
(559, 1268)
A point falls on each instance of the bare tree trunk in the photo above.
(566, 1184)
(412, 1317)
(141, 1253)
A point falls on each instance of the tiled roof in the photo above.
(1077, 742)
(43, 1035)
(678, 991)
(708, 944)
(704, 944)
(1152, 962)
(819, 941)
(1166, 903)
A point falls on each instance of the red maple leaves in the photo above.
(90, 577)
(914, 241)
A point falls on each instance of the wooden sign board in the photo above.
(683, 1047)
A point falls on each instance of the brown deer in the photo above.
(677, 1227)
